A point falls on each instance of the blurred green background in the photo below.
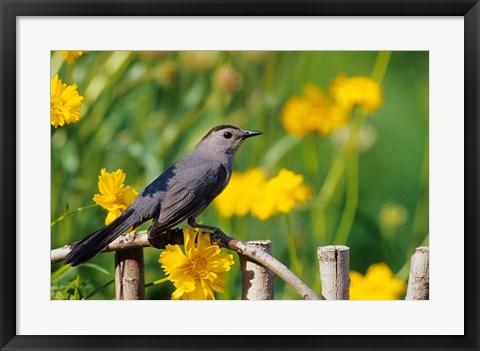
(145, 110)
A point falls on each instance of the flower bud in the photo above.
(367, 135)
(199, 61)
(393, 216)
(229, 79)
(153, 55)
(257, 56)
(168, 73)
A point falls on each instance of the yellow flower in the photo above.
(240, 193)
(251, 192)
(114, 196)
(280, 194)
(65, 103)
(357, 91)
(379, 283)
(198, 272)
(312, 113)
(318, 113)
(71, 56)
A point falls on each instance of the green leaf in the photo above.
(97, 268)
(99, 288)
(60, 271)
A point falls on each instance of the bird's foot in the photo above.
(216, 236)
(217, 233)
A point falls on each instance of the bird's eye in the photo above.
(227, 135)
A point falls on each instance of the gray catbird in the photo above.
(181, 192)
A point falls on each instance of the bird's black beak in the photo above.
(251, 133)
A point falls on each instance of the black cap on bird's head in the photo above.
(226, 138)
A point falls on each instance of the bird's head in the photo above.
(226, 138)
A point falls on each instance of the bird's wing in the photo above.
(188, 197)
(147, 204)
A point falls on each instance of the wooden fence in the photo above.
(257, 265)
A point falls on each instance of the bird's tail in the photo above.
(86, 248)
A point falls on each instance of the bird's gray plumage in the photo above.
(182, 192)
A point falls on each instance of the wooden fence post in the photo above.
(257, 281)
(334, 262)
(129, 274)
(419, 280)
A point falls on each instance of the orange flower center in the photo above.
(197, 267)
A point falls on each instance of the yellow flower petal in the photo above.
(65, 103)
(241, 193)
(112, 215)
(114, 196)
(177, 294)
(198, 272)
(312, 113)
(127, 195)
(251, 192)
(172, 258)
(364, 92)
(71, 56)
(379, 283)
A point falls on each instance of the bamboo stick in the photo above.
(174, 236)
(257, 280)
(129, 275)
(419, 281)
(334, 263)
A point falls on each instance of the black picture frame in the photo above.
(10, 10)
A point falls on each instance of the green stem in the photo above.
(101, 102)
(56, 63)
(388, 242)
(420, 222)
(292, 252)
(177, 128)
(351, 204)
(279, 150)
(269, 72)
(325, 196)
(157, 282)
(381, 65)
(341, 237)
(331, 181)
(62, 217)
(60, 271)
(99, 288)
(73, 283)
